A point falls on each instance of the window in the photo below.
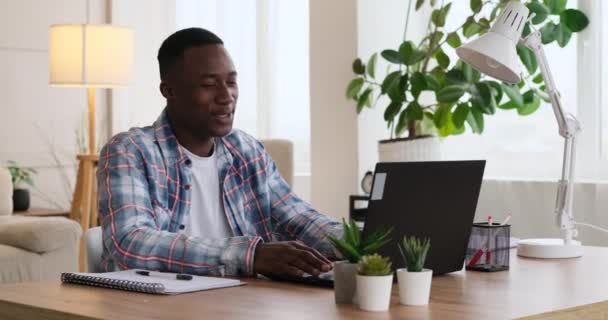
(527, 147)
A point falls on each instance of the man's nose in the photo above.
(225, 94)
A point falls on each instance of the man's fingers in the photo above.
(299, 261)
(292, 271)
(316, 253)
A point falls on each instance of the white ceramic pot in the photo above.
(414, 287)
(374, 292)
(421, 149)
(345, 281)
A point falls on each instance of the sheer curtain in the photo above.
(268, 41)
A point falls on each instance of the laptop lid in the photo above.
(426, 199)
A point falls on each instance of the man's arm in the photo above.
(296, 219)
(130, 223)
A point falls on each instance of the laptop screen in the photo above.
(426, 199)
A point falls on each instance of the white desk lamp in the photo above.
(495, 55)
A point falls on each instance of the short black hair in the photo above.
(174, 46)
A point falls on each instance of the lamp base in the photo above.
(549, 249)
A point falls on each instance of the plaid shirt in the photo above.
(144, 190)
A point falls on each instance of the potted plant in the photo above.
(414, 280)
(374, 282)
(353, 247)
(428, 95)
(21, 177)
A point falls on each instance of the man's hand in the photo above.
(289, 258)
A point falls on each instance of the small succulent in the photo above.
(20, 175)
(353, 247)
(375, 265)
(414, 251)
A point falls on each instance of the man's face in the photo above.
(202, 91)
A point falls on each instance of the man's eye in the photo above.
(207, 85)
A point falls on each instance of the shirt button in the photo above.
(188, 162)
(187, 187)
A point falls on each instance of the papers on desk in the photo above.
(154, 282)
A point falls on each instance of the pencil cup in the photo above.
(488, 248)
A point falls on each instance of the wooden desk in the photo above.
(530, 287)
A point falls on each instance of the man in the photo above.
(190, 194)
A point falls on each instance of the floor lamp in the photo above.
(89, 56)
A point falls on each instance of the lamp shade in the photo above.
(494, 53)
(94, 56)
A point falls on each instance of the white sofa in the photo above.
(34, 248)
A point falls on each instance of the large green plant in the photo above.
(353, 246)
(462, 94)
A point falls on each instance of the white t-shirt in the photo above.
(207, 218)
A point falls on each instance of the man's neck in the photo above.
(202, 147)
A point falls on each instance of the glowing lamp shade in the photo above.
(92, 56)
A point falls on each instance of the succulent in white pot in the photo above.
(353, 246)
(414, 280)
(374, 283)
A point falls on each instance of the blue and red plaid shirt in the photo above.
(144, 195)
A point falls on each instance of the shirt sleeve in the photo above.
(132, 236)
(295, 219)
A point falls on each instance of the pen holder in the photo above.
(488, 248)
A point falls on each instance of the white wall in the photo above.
(333, 45)
(380, 27)
(35, 118)
(152, 21)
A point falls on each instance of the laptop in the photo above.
(434, 199)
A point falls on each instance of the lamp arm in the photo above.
(569, 127)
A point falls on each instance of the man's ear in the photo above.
(166, 90)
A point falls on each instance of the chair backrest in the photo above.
(281, 152)
(94, 249)
(6, 192)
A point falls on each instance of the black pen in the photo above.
(179, 276)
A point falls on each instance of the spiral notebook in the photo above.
(155, 282)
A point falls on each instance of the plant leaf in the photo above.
(432, 81)
(442, 115)
(391, 56)
(476, 5)
(471, 28)
(513, 93)
(548, 32)
(401, 123)
(460, 115)
(562, 35)
(475, 120)
(371, 65)
(354, 87)
(556, 6)
(419, 4)
(454, 40)
(496, 90)
(358, 67)
(442, 59)
(527, 58)
(363, 100)
(418, 83)
(391, 80)
(470, 75)
(541, 11)
(414, 111)
(574, 19)
(450, 94)
(391, 111)
(531, 107)
(455, 76)
(485, 99)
